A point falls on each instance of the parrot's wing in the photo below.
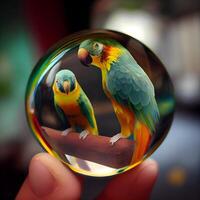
(62, 117)
(130, 86)
(87, 110)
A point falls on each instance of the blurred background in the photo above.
(170, 28)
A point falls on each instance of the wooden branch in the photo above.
(93, 148)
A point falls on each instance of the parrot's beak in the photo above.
(66, 86)
(84, 57)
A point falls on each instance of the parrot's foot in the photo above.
(115, 138)
(67, 131)
(83, 134)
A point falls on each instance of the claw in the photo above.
(115, 138)
(67, 131)
(83, 134)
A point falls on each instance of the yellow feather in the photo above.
(104, 64)
(63, 99)
(113, 55)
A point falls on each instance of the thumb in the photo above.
(135, 184)
(49, 179)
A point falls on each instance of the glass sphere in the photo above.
(100, 101)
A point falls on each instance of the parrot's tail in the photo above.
(142, 136)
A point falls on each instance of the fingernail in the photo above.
(40, 179)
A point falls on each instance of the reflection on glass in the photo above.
(100, 101)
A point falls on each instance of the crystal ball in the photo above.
(100, 101)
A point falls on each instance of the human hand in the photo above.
(49, 179)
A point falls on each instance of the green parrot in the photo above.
(73, 105)
(129, 89)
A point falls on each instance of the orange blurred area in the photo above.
(177, 176)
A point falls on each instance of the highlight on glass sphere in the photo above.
(100, 101)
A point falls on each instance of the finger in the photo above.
(49, 179)
(135, 184)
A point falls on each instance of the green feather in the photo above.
(86, 108)
(130, 86)
(62, 117)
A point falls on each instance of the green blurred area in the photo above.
(16, 60)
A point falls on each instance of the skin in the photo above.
(58, 182)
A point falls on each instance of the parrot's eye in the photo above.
(57, 82)
(97, 46)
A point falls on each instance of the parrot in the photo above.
(127, 86)
(72, 104)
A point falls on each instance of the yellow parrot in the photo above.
(72, 104)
